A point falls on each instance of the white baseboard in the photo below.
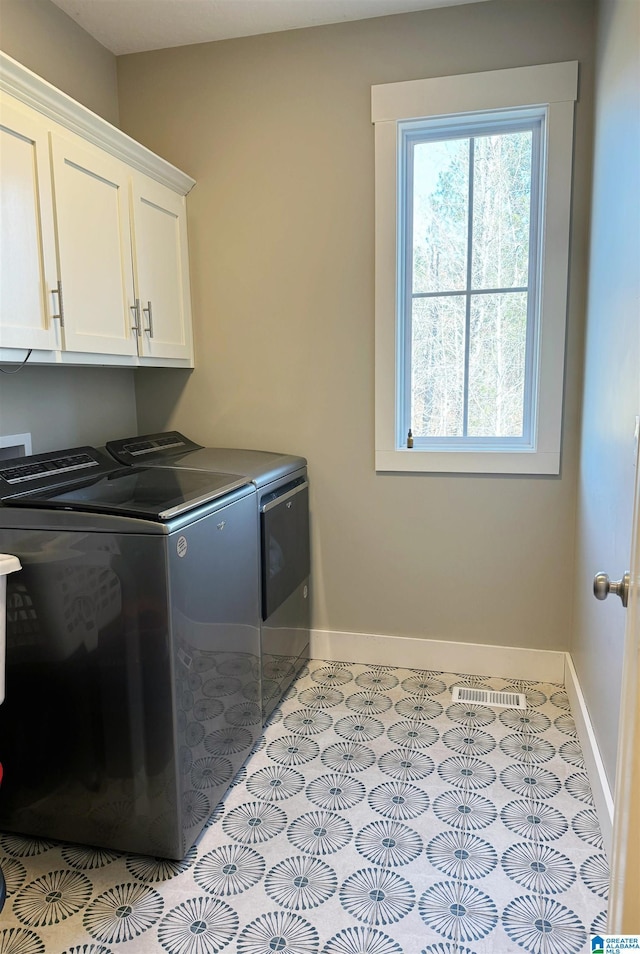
(593, 760)
(476, 659)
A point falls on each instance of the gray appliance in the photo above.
(133, 649)
(283, 517)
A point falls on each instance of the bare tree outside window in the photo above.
(470, 263)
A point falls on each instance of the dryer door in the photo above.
(284, 517)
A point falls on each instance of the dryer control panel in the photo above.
(137, 450)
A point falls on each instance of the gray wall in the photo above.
(40, 36)
(67, 407)
(612, 370)
(62, 407)
(276, 130)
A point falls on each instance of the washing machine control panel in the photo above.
(24, 475)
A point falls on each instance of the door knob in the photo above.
(602, 586)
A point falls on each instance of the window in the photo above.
(467, 297)
(473, 177)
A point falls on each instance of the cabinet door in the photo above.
(27, 248)
(94, 248)
(161, 269)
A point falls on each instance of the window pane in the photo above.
(497, 352)
(437, 366)
(501, 210)
(440, 215)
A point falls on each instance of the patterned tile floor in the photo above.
(374, 817)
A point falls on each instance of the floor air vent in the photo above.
(487, 697)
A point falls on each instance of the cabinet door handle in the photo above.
(60, 316)
(149, 315)
(136, 318)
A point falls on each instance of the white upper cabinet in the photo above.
(94, 248)
(94, 265)
(27, 248)
(161, 269)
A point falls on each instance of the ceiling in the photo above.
(131, 26)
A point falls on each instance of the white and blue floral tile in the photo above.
(375, 816)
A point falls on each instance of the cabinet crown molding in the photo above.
(29, 88)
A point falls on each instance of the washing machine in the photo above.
(282, 516)
(133, 648)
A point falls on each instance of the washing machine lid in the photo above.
(61, 481)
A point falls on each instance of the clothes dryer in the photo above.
(282, 515)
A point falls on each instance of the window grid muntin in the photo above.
(467, 305)
(468, 126)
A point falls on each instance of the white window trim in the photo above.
(554, 86)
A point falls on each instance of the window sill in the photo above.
(415, 461)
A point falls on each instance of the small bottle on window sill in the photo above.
(409, 439)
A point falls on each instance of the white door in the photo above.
(94, 248)
(161, 269)
(27, 247)
(624, 913)
(602, 647)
